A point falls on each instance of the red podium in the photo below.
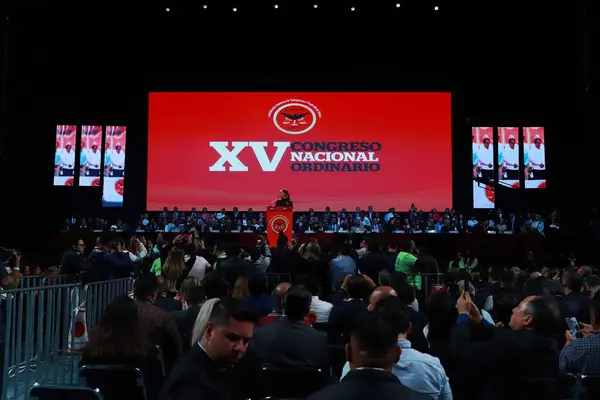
(279, 219)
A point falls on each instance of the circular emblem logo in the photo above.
(295, 117)
(279, 223)
(119, 186)
(96, 182)
(70, 182)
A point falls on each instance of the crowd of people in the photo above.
(368, 322)
(344, 221)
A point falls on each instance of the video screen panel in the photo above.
(483, 167)
(114, 166)
(241, 149)
(535, 158)
(64, 155)
(90, 158)
(508, 157)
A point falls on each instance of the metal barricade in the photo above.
(99, 295)
(26, 282)
(54, 280)
(37, 322)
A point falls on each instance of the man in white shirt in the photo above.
(117, 161)
(510, 160)
(67, 161)
(93, 161)
(485, 159)
(537, 159)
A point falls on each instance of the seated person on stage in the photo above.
(283, 200)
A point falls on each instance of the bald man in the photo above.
(380, 293)
(278, 295)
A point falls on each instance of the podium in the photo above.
(279, 219)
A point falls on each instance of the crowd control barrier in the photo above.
(38, 327)
(99, 295)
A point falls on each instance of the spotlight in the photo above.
(167, 9)
(316, 6)
(234, 9)
(397, 5)
(205, 6)
(436, 8)
(352, 8)
(276, 6)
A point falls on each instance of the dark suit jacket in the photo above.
(368, 384)
(185, 320)
(167, 304)
(197, 377)
(507, 362)
(373, 263)
(287, 343)
(342, 318)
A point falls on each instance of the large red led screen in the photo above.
(341, 150)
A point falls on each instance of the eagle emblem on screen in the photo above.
(295, 116)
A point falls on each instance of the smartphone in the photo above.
(573, 326)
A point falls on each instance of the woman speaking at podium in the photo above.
(283, 200)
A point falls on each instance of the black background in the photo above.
(507, 63)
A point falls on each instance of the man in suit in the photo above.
(288, 343)
(211, 370)
(372, 353)
(344, 313)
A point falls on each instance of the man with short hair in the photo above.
(417, 371)
(207, 372)
(372, 353)
(73, 261)
(518, 362)
(288, 342)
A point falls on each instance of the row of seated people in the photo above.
(372, 336)
(360, 221)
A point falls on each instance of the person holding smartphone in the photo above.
(581, 354)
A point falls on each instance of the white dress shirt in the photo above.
(93, 159)
(537, 156)
(511, 157)
(486, 157)
(67, 159)
(117, 159)
(321, 309)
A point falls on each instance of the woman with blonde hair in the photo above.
(174, 271)
(241, 289)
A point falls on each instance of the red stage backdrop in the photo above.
(341, 150)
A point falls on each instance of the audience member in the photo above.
(372, 353)
(192, 297)
(208, 370)
(257, 297)
(288, 342)
(417, 371)
(117, 340)
(156, 326)
(581, 355)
